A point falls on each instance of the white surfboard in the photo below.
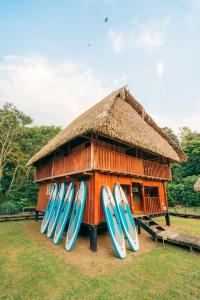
(60, 227)
(76, 217)
(113, 222)
(49, 208)
(56, 210)
(126, 217)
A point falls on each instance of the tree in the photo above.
(171, 134)
(18, 142)
(184, 175)
(12, 122)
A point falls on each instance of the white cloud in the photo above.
(50, 93)
(190, 20)
(117, 40)
(159, 69)
(150, 39)
(192, 122)
(196, 3)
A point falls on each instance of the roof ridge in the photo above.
(150, 121)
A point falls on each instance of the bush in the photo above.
(9, 208)
(183, 192)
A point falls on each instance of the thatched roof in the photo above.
(197, 186)
(119, 117)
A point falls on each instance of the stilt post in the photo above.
(167, 219)
(93, 237)
(36, 215)
(139, 228)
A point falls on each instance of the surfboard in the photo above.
(113, 222)
(76, 217)
(126, 217)
(48, 210)
(56, 210)
(60, 227)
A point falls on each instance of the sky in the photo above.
(58, 58)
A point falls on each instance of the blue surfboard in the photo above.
(76, 216)
(56, 210)
(49, 208)
(126, 217)
(113, 222)
(60, 227)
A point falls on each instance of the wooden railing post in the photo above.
(92, 164)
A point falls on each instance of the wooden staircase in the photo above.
(149, 225)
(159, 233)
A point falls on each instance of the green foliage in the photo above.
(9, 208)
(183, 192)
(18, 142)
(171, 134)
(184, 175)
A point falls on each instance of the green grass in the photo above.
(182, 225)
(187, 210)
(31, 271)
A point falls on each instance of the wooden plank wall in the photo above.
(93, 213)
(89, 213)
(105, 179)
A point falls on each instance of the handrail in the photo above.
(152, 205)
(100, 158)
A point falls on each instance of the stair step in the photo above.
(146, 221)
(154, 225)
(159, 231)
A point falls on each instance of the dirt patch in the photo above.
(82, 257)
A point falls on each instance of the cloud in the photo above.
(150, 39)
(50, 93)
(190, 20)
(196, 3)
(117, 40)
(192, 122)
(159, 69)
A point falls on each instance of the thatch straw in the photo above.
(120, 117)
(197, 186)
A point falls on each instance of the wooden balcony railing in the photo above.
(96, 158)
(156, 170)
(77, 162)
(112, 161)
(152, 205)
(43, 171)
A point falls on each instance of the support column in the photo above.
(139, 229)
(93, 237)
(36, 215)
(167, 219)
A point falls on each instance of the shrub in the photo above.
(9, 208)
(183, 192)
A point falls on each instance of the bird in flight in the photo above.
(106, 20)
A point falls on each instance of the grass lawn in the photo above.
(182, 225)
(187, 210)
(31, 267)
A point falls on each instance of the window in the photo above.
(151, 191)
(49, 188)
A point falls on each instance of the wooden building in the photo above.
(114, 141)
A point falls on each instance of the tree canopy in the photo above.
(184, 175)
(19, 140)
